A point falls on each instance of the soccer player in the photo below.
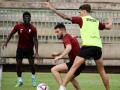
(91, 41)
(27, 39)
(72, 48)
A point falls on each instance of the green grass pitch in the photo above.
(88, 81)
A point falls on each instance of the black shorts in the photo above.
(88, 52)
(78, 71)
(24, 53)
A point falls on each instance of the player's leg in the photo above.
(29, 54)
(101, 70)
(56, 70)
(77, 63)
(100, 67)
(32, 66)
(18, 67)
(77, 72)
(33, 77)
(85, 52)
(19, 73)
(19, 58)
(75, 83)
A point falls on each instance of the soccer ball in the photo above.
(42, 86)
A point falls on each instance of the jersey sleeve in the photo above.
(77, 20)
(101, 26)
(15, 29)
(67, 40)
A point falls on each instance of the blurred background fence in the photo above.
(45, 20)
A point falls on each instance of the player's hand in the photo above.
(36, 55)
(4, 45)
(48, 5)
(57, 58)
(108, 23)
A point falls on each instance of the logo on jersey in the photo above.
(29, 30)
(21, 30)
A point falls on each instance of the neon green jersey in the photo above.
(90, 32)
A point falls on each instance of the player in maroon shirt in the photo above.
(72, 48)
(87, 51)
(27, 39)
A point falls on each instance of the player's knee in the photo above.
(77, 64)
(53, 69)
(31, 62)
(19, 62)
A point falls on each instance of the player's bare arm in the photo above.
(36, 46)
(51, 7)
(8, 39)
(65, 52)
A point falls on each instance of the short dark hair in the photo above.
(26, 13)
(60, 25)
(86, 7)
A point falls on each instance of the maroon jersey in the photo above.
(68, 39)
(26, 34)
(79, 21)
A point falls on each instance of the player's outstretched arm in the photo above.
(108, 25)
(51, 7)
(8, 39)
(65, 52)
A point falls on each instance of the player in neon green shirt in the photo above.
(91, 42)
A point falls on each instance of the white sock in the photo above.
(62, 87)
(33, 76)
(20, 79)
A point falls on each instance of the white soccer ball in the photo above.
(42, 86)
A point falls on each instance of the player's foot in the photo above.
(62, 88)
(19, 84)
(34, 83)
